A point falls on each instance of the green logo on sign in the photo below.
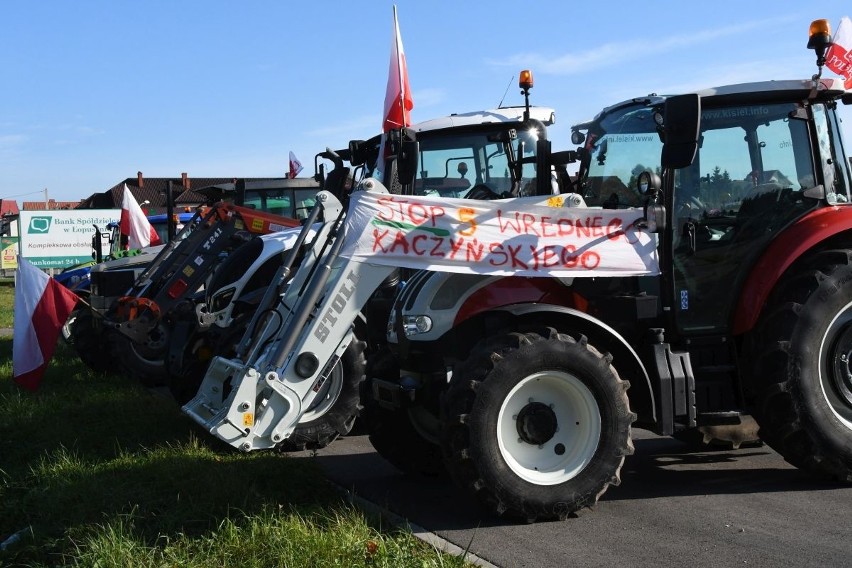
(39, 225)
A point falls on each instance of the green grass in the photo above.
(7, 294)
(100, 472)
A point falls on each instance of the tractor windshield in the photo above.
(472, 163)
(619, 145)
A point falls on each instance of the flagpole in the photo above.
(399, 66)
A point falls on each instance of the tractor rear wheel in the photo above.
(803, 368)
(537, 425)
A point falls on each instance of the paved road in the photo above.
(675, 507)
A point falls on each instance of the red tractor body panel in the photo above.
(806, 233)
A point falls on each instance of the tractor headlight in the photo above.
(414, 325)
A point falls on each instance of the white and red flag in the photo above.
(295, 165)
(839, 56)
(134, 225)
(398, 99)
(41, 307)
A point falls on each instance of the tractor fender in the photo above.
(625, 359)
(786, 248)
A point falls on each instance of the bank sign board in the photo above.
(57, 239)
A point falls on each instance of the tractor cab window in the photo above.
(278, 202)
(746, 184)
(478, 164)
(304, 201)
(617, 149)
(835, 171)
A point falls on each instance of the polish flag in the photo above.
(398, 99)
(839, 56)
(134, 225)
(295, 165)
(41, 307)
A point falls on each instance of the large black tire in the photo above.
(89, 342)
(142, 362)
(536, 425)
(803, 367)
(408, 438)
(335, 409)
(198, 350)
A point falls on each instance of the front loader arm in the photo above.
(257, 403)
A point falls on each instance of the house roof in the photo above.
(153, 190)
(51, 205)
(9, 207)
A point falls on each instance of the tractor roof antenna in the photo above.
(819, 39)
(525, 82)
(500, 105)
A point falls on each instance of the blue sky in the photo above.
(94, 91)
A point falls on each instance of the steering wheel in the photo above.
(481, 191)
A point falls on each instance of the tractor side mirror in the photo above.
(409, 150)
(681, 123)
(357, 153)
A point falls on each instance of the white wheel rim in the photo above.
(327, 395)
(834, 402)
(572, 446)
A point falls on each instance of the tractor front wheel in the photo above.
(88, 341)
(196, 349)
(537, 425)
(335, 408)
(143, 362)
(409, 438)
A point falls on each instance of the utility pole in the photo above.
(46, 201)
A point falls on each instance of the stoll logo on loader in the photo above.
(39, 225)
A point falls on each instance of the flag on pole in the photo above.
(839, 56)
(41, 307)
(295, 165)
(398, 99)
(134, 225)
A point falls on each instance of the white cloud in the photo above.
(619, 52)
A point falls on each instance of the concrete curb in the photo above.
(419, 532)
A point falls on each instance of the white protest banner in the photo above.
(528, 236)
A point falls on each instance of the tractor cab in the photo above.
(486, 154)
(767, 155)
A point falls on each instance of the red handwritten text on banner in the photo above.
(531, 236)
